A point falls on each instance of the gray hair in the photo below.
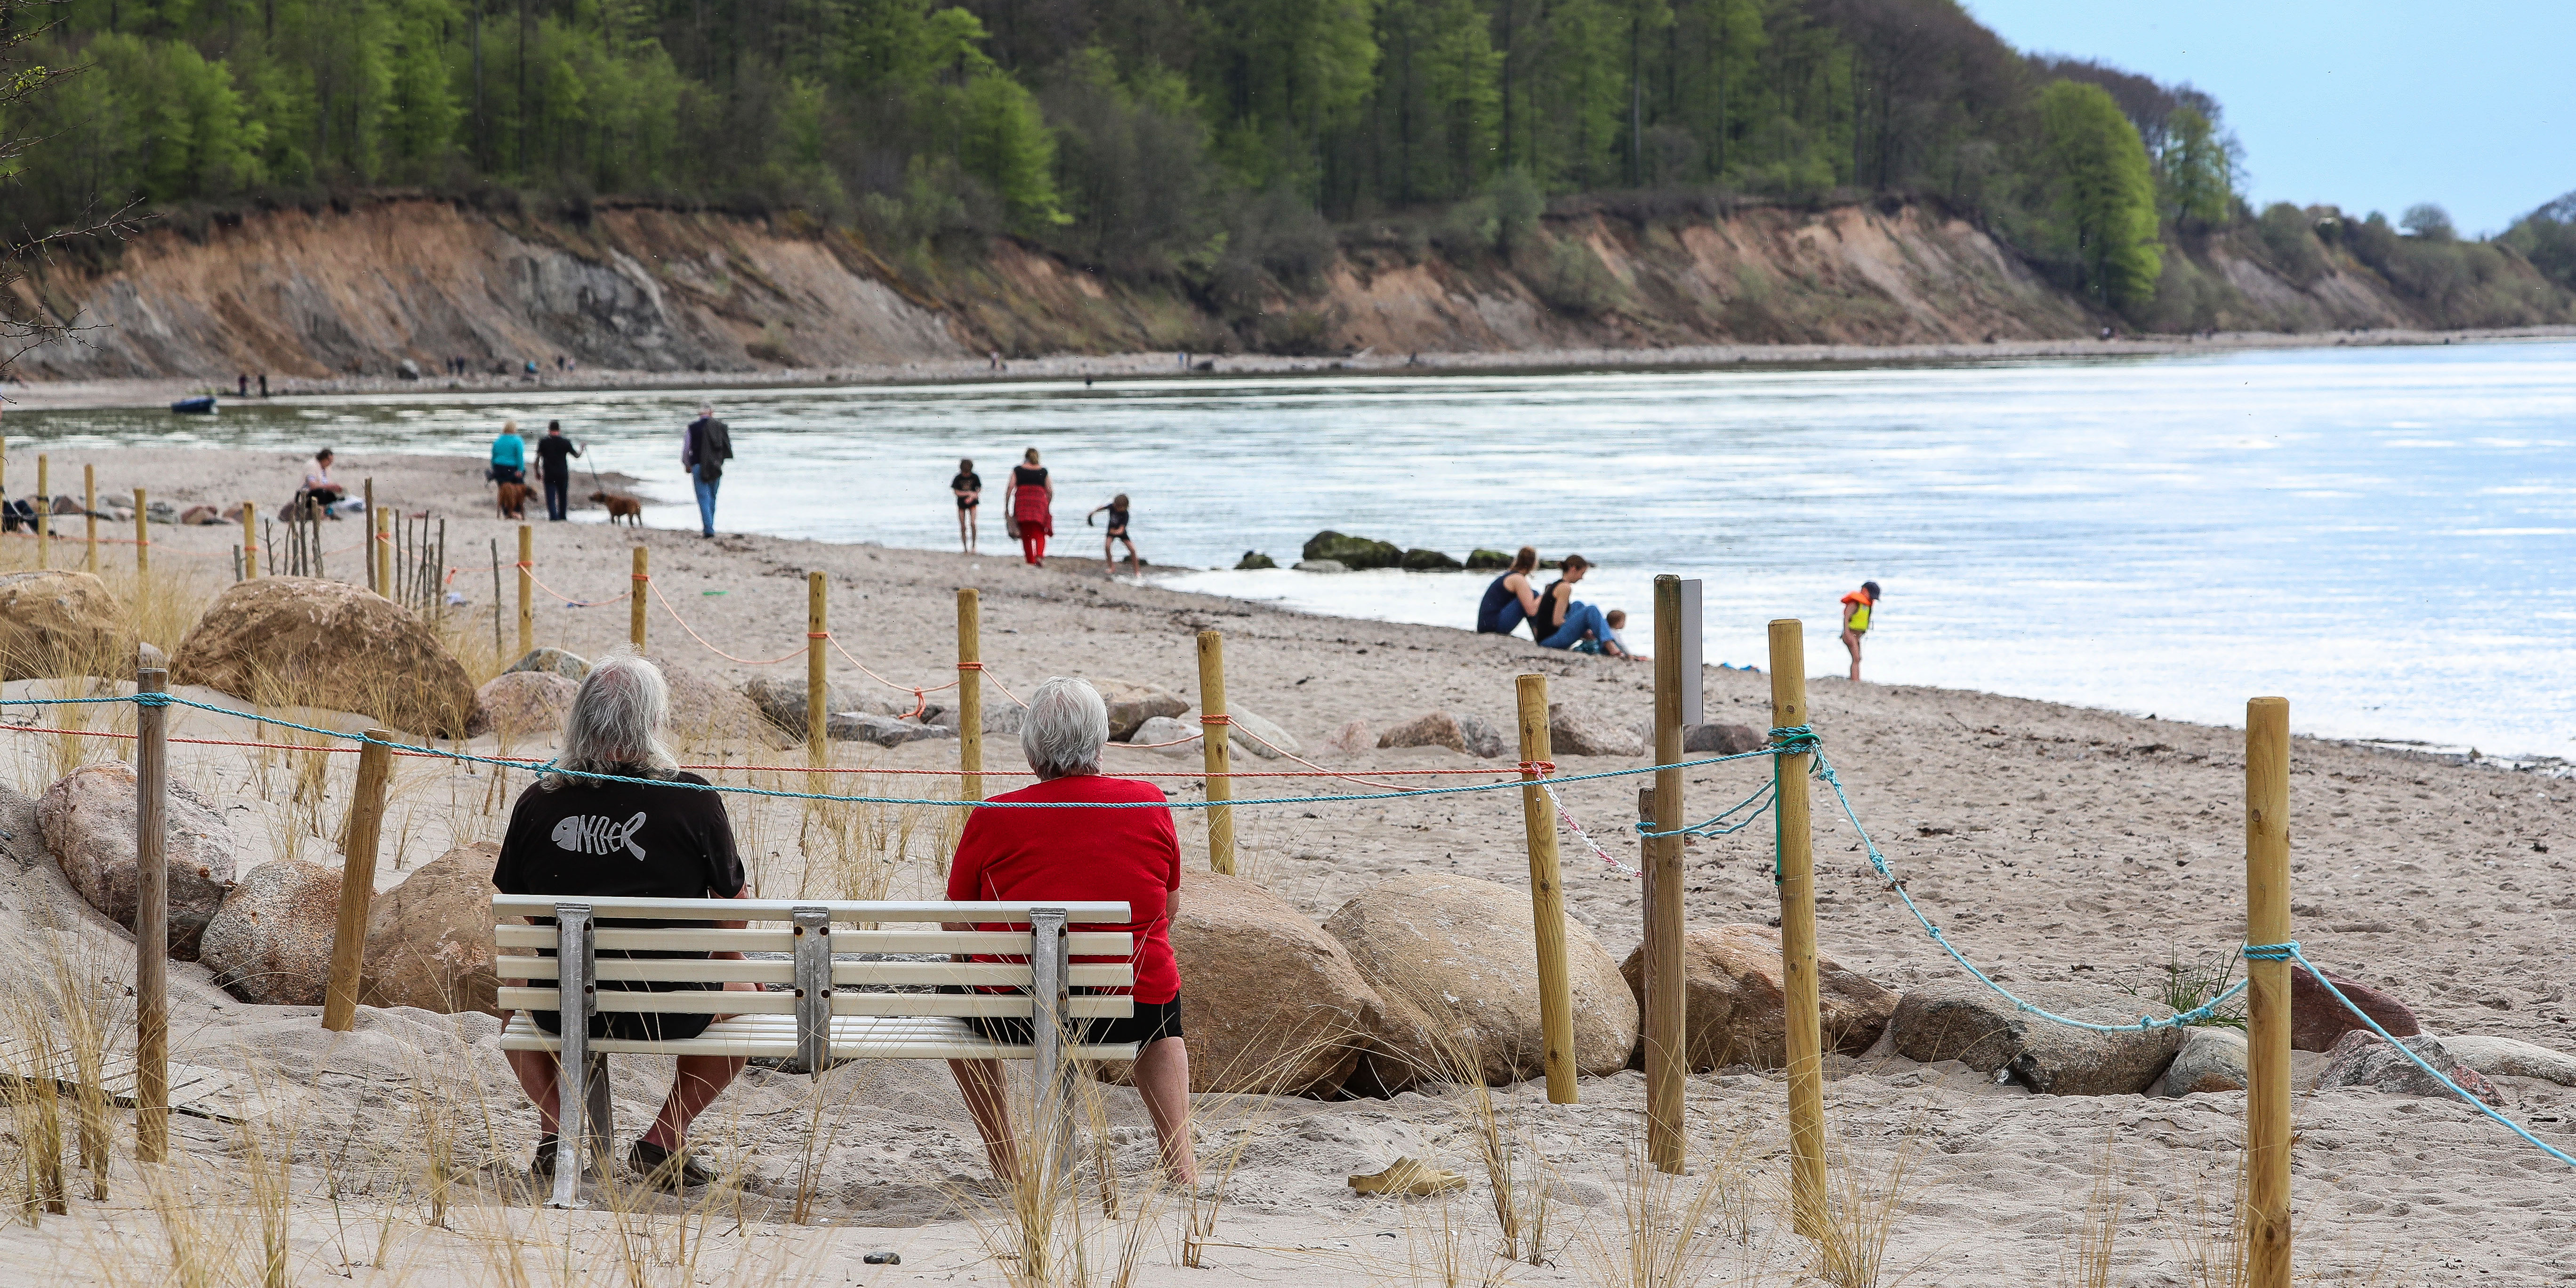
(1065, 728)
(616, 722)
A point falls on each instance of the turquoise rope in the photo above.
(2290, 952)
(1761, 800)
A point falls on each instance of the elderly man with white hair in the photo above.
(572, 835)
(704, 448)
(1081, 853)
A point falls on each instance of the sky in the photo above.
(2364, 104)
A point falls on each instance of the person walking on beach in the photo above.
(1563, 621)
(554, 465)
(1117, 509)
(969, 489)
(704, 448)
(1856, 606)
(509, 455)
(1028, 508)
(1508, 598)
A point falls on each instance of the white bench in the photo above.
(837, 998)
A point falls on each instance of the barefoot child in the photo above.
(1856, 606)
(1117, 509)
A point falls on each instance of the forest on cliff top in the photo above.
(1219, 144)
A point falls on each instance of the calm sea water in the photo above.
(2381, 535)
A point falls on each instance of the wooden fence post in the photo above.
(2267, 1012)
(376, 526)
(89, 518)
(1666, 1042)
(1797, 876)
(527, 590)
(970, 693)
(818, 704)
(44, 511)
(1547, 896)
(643, 589)
(250, 541)
(357, 882)
(142, 544)
(1216, 731)
(151, 922)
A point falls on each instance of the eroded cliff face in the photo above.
(315, 293)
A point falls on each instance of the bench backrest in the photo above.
(826, 973)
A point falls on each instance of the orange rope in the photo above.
(665, 601)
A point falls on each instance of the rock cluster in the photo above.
(1354, 553)
(1970, 1023)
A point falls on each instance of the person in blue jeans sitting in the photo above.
(1563, 622)
(704, 448)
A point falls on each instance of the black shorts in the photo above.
(636, 1026)
(967, 503)
(1152, 1022)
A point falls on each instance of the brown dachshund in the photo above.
(621, 506)
(514, 500)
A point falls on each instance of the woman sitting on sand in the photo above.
(674, 844)
(1562, 622)
(1072, 854)
(318, 487)
(1508, 598)
(1026, 508)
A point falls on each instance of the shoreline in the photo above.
(78, 395)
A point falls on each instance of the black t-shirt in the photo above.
(1029, 475)
(554, 453)
(622, 839)
(966, 483)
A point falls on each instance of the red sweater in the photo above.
(1073, 854)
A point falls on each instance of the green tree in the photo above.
(1005, 142)
(2196, 170)
(2104, 197)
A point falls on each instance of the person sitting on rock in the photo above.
(1083, 854)
(574, 835)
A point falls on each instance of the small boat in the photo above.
(201, 405)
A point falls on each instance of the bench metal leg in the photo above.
(1050, 965)
(814, 988)
(575, 959)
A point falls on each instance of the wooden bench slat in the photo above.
(979, 974)
(696, 1002)
(1080, 912)
(1081, 943)
(853, 1038)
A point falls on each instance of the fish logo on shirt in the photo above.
(599, 834)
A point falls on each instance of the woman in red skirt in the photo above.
(1028, 505)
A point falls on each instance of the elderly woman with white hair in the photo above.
(574, 835)
(1084, 853)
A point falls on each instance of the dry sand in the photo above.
(2053, 844)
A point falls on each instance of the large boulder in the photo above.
(429, 939)
(329, 644)
(2513, 1058)
(705, 713)
(1132, 704)
(1424, 560)
(547, 658)
(781, 700)
(1573, 733)
(270, 942)
(2318, 1021)
(2212, 1059)
(524, 704)
(1270, 1002)
(1734, 1000)
(1722, 739)
(2363, 1059)
(1260, 737)
(1353, 553)
(61, 623)
(1970, 1023)
(1432, 729)
(88, 821)
(1456, 961)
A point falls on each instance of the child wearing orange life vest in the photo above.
(1856, 607)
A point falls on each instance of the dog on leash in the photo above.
(621, 506)
(514, 500)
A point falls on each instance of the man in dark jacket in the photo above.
(704, 448)
(554, 463)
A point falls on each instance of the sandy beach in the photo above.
(2054, 845)
(58, 394)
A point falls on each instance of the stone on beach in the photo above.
(1434, 729)
(1352, 738)
(1968, 1022)
(1722, 739)
(2512, 1058)
(2318, 1021)
(571, 666)
(88, 821)
(270, 941)
(1573, 733)
(884, 731)
(2212, 1059)
(331, 644)
(1132, 704)
(2362, 1058)
(781, 700)
(1484, 741)
(61, 623)
(1318, 565)
(1452, 958)
(1734, 1000)
(1261, 737)
(1354, 553)
(429, 939)
(705, 713)
(524, 704)
(1166, 736)
(1421, 560)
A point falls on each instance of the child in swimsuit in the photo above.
(969, 489)
(1856, 609)
(1117, 509)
